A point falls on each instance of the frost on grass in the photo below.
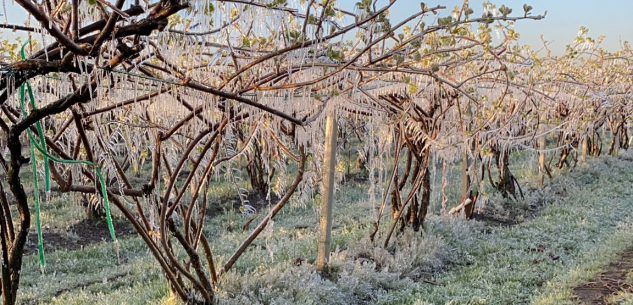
(588, 219)
(363, 273)
(454, 260)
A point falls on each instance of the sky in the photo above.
(611, 18)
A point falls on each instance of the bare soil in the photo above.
(610, 282)
(83, 233)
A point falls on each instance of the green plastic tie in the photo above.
(40, 145)
(36, 193)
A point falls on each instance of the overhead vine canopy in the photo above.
(173, 93)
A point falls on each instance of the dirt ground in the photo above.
(79, 235)
(610, 282)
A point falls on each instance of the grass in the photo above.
(582, 223)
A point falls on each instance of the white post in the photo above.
(327, 194)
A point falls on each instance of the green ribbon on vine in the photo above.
(39, 144)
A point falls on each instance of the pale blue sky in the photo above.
(612, 18)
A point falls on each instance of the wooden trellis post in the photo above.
(327, 194)
(584, 149)
(542, 145)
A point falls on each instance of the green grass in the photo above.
(584, 221)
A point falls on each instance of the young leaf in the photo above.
(526, 9)
(505, 11)
(446, 21)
